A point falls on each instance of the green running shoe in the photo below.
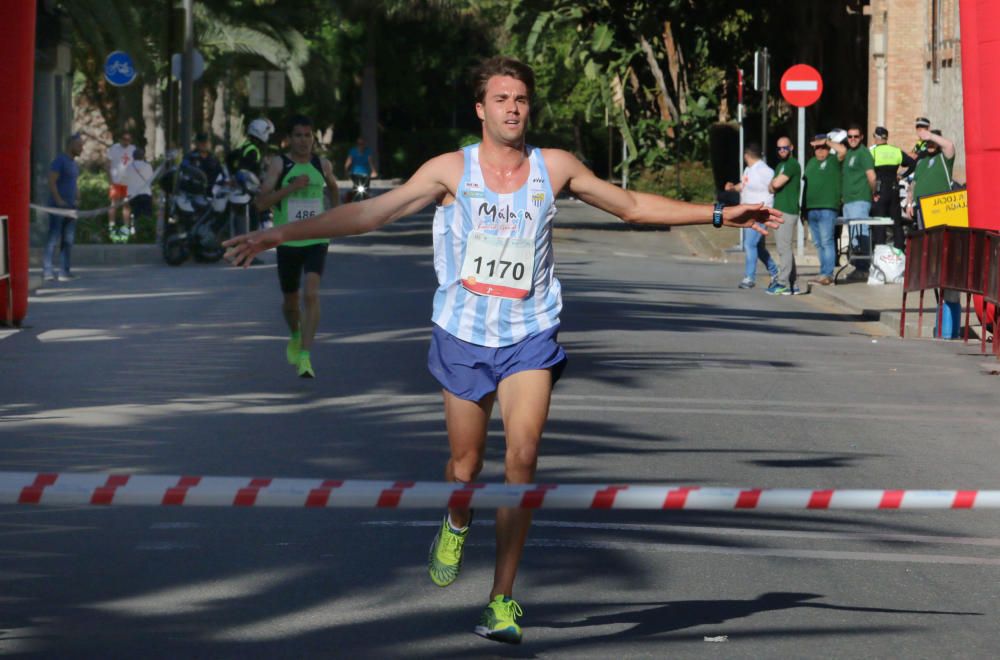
(292, 350)
(445, 559)
(498, 621)
(305, 366)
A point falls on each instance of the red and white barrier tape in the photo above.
(161, 490)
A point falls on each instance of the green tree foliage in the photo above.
(655, 67)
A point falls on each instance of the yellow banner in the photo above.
(948, 208)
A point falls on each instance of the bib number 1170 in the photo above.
(498, 267)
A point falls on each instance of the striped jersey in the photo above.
(493, 258)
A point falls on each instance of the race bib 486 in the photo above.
(300, 209)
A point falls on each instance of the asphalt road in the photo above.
(675, 376)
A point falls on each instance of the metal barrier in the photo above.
(953, 259)
(991, 286)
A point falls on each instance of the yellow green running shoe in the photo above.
(292, 350)
(305, 366)
(445, 560)
(499, 620)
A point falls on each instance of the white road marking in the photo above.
(790, 553)
(886, 537)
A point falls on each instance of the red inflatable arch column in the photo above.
(981, 97)
(17, 73)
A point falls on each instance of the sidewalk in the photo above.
(873, 303)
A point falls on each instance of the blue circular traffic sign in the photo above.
(118, 69)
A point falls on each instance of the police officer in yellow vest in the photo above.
(296, 184)
(888, 161)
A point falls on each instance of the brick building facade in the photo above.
(915, 69)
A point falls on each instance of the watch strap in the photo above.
(717, 215)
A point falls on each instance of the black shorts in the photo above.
(141, 205)
(293, 259)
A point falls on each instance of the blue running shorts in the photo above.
(471, 372)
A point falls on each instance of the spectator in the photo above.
(920, 147)
(786, 186)
(858, 172)
(753, 189)
(822, 199)
(888, 160)
(202, 158)
(933, 173)
(119, 157)
(139, 179)
(64, 194)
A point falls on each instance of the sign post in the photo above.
(801, 86)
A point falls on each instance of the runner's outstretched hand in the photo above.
(751, 216)
(240, 250)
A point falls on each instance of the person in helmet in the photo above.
(249, 156)
(251, 152)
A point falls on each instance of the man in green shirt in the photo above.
(823, 186)
(786, 185)
(933, 173)
(858, 169)
(295, 184)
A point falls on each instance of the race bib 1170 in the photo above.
(498, 267)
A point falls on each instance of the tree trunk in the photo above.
(668, 110)
(152, 117)
(675, 64)
(369, 94)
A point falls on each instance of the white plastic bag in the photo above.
(888, 265)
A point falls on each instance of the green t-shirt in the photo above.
(303, 203)
(786, 199)
(823, 183)
(856, 163)
(930, 176)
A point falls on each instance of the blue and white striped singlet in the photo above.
(527, 214)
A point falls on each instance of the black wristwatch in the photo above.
(717, 215)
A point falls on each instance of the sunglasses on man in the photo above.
(784, 148)
(856, 136)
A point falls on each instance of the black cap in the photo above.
(881, 132)
(201, 137)
(922, 122)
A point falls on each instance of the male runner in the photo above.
(496, 309)
(295, 184)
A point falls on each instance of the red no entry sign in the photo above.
(801, 85)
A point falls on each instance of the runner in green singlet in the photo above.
(295, 184)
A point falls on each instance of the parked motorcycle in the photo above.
(197, 222)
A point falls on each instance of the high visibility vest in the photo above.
(886, 155)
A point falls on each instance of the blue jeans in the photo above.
(753, 249)
(62, 232)
(821, 223)
(861, 235)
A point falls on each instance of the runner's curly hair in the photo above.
(501, 66)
